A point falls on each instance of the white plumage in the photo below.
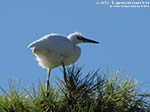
(54, 50)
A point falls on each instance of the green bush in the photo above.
(78, 92)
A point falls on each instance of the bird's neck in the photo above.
(73, 41)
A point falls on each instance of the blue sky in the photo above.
(124, 36)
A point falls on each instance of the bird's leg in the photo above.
(47, 83)
(64, 72)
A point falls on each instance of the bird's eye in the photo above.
(79, 38)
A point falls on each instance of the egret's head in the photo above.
(76, 38)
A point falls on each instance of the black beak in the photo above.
(87, 40)
(90, 41)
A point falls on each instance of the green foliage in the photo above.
(78, 92)
(14, 101)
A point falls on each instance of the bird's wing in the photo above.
(43, 40)
(37, 42)
(53, 43)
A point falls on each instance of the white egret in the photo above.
(54, 50)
